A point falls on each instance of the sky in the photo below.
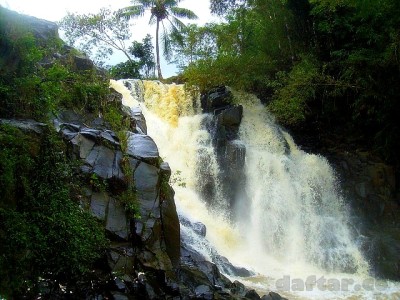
(54, 10)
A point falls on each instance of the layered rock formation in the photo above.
(223, 124)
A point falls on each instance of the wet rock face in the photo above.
(201, 278)
(149, 243)
(370, 183)
(370, 187)
(216, 99)
(223, 125)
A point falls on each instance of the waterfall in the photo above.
(291, 218)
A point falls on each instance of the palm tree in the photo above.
(164, 13)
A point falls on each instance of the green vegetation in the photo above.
(44, 234)
(33, 84)
(140, 66)
(100, 34)
(330, 63)
(46, 238)
(161, 10)
(129, 197)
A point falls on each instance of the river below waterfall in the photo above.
(291, 225)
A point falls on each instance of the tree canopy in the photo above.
(330, 63)
(101, 33)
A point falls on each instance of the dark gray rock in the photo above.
(223, 126)
(121, 259)
(28, 126)
(98, 205)
(165, 170)
(216, 98)
(117, 223)
(98, 149)
(138, 121)
(142, 146)
(370, 186)
(119, 296)
(146, 181)
(231, 116)
(82, 63)
(104, 162)
(272, 296)
(228, 122)
(235, 155)
(227, 267)
(204, 292)
(85, 146)
(199, 228)
(252, 295)
(169, 217)
(238, 288)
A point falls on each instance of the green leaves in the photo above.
(164, 13)
(298, 89)
(98, 34)
(44, 234)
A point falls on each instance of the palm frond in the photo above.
(166, 44)
(176, 34)
(181, 12)
(130, 12)
(177, 23)
(171, 3)
(153, 20)
(145, 3)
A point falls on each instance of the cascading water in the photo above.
(291, 219)
(297, 214)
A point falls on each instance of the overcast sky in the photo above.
(54, 10)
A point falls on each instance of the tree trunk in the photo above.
(158, 51)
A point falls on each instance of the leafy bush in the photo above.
(44, 234)
(294, 92)
(128, 69)
(33, 84)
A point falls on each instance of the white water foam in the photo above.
(296, 224)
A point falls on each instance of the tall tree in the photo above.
(165, 14)
(100, 32)
(145, 53)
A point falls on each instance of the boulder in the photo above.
(231, 116)
(252, 295)
(142, 146)
(81, 62)
(199, 228)
(235, 155)
(138, 121)
(216, 98)
(272, 296)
